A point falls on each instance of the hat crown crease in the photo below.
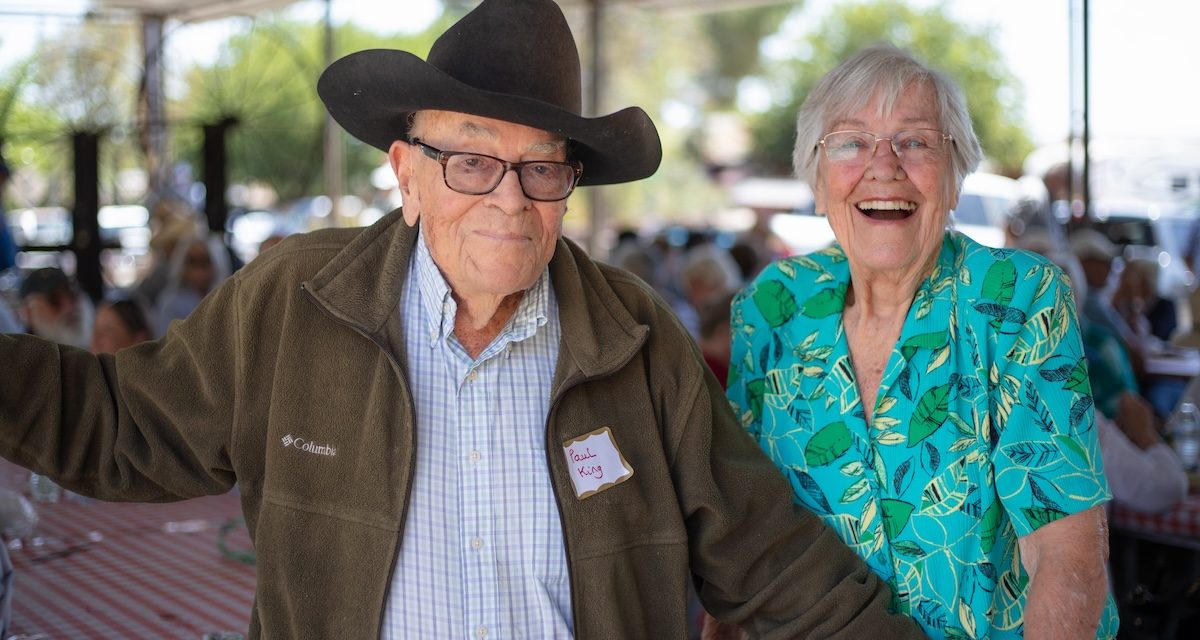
(480, 49)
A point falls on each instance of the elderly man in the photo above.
(454, 423)
(53, 308)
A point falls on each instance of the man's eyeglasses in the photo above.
(475, 174)
(913, 146)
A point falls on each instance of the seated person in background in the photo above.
(1136, 299)
(8, 319)
(199, 264)
(1143, 473)
(8, 248)
(53, 308)
(1191, 337)
(714, 336)
(171, 220)
(1116, 353)
(645, 260)
(708, 274)
(119, 324)
(1096, 255)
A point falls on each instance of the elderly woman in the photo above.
(198, 264)
(927, 396)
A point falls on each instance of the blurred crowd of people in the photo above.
(1124, 317)
(697, 272)
(187, 262)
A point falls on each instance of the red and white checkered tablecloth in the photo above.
(1181, 522)
(139, 571)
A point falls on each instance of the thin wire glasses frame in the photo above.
(911, 146)
(540, 180)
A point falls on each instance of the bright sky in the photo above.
(1142, 52)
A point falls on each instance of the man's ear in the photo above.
(401, 157)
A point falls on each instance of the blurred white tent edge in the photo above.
(772, 194)
(787, 204)
(1161, 168)
(193, 10)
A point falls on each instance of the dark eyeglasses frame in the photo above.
(443, 158)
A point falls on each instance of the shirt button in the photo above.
(476, 456)
(481, 631)
(476, 543)
(471, 376)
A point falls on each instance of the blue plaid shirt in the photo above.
(482, 554)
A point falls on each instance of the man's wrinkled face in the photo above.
(58, 316)
(493, 244)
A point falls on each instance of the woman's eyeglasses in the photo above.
(912, 146)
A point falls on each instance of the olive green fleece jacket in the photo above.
(305, 345)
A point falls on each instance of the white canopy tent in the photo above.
(192, 10)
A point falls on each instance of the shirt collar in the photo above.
(438, 306)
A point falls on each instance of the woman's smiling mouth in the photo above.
(887, 209)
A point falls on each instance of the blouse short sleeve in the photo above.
(1046, 452)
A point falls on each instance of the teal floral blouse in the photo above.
(982, 431)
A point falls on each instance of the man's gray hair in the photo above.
(882, 71)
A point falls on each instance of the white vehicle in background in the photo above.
(986, 205)
(787, 206)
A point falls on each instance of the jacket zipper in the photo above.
(554, 446)
(412, 467)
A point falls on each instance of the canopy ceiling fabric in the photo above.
(199, 10)
(193, 10)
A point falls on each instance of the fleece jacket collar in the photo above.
(361, 287)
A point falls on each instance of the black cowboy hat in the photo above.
(512, 60)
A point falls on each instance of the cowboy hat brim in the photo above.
(371, 94)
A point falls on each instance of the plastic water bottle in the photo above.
(1185, 434)
(43, 489)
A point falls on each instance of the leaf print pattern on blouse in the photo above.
(982, 429)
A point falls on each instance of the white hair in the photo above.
(882, 72)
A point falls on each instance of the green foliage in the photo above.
(667, 62)
(265, 82)
(85, 79)
(966, 54)
(89, 76)
(735, 37)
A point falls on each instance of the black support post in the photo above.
(216, 175)
(86, 243)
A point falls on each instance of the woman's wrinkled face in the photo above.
(889, 215)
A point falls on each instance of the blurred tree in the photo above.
(967, 55)
(82, 80)
(735, 37)
(678, 65)
(265, 83)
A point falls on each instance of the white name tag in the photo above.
(595, 463)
